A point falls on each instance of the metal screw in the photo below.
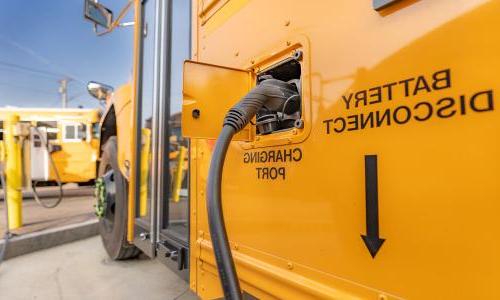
(196, 113)
(299, 124)
(298, 54)
(289, 265)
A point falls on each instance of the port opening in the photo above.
(287, 115)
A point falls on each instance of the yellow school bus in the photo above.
(72, 135)
(366, 166)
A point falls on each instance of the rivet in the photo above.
(289, 265)
(287, 23)
(382, 297)
(236, 247)
(236, 54)
(288, 43)
(252, 61)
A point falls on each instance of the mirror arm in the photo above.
(116, 22)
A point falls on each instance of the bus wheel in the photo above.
(112, 205)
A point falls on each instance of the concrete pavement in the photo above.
(82, 270)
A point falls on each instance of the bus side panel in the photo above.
(402, 99)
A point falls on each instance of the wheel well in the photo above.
(108, 127)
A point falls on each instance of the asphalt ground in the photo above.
(82, 270)
(36, 218)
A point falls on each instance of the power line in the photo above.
(24, 72)
(38, 71)
(32, 70)
(31, 52)
(28, 88)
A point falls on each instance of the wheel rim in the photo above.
(109, 201)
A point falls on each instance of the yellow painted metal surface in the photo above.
(416, 85)
(122, 102)
(13, 173)
(76, 161)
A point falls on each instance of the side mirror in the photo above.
(98, 13)
(99, 91)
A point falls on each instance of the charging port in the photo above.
(285, 115)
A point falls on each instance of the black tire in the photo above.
(113, 227)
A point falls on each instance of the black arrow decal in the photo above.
(372, 239)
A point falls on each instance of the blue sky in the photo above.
(41, 42)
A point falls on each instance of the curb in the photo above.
(31, 242)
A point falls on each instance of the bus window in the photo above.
(96, 132)
(1, 130)
(82, 131)
(69, 132)
(146, 115)
(74, 132)
(178, 205)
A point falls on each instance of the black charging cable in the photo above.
(268, 93)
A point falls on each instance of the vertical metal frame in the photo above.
(146, 234)
(141, 232)
(157, 84)
(170, 250)
(164, 35)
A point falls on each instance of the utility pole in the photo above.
(63, 90)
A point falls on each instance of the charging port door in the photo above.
(209, 92)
